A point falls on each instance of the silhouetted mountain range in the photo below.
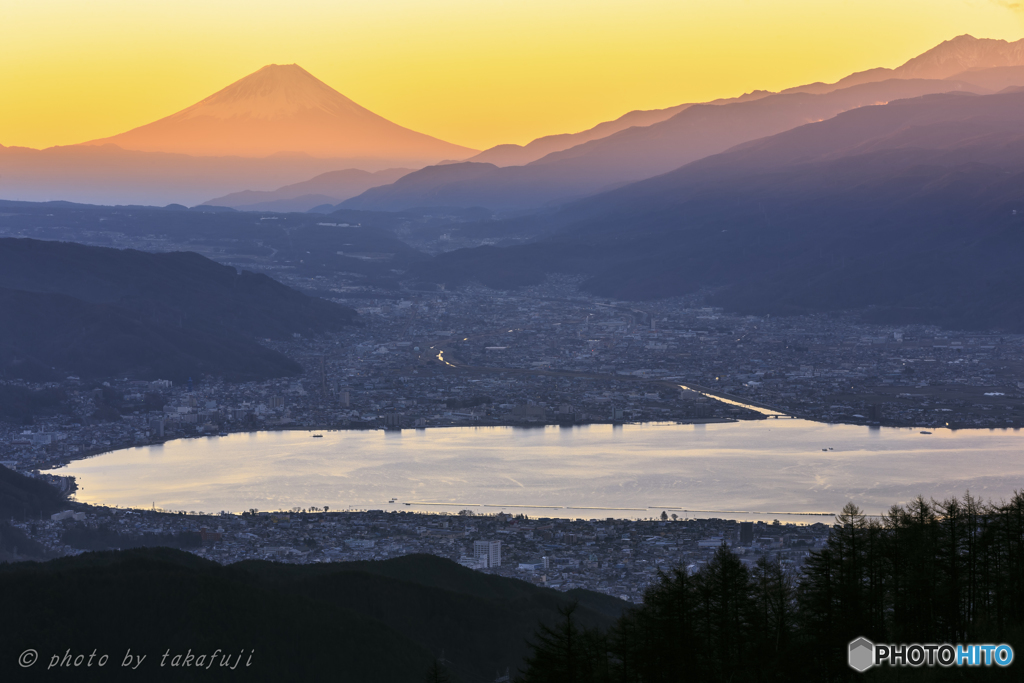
(557, 169)
(635, 153)
(915, 208)
(949, 59)
(102, 312)
(520, 155)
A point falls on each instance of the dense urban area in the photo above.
(546, 355)
(613, 556)
(549, 355)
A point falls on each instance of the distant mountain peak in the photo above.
(960, 54)
(945, 60)
(275, 91)
(282, 108)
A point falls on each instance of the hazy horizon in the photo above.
(445, 71)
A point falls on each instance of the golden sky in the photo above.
(473, 72)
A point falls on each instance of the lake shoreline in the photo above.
(763, 468)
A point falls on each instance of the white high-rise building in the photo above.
(488, 551)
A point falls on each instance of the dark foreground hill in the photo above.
(54, 332)
(24, 497)
(913, 210)
(360, 622)
(181, 288)
(97, 312)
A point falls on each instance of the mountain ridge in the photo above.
(520, 155)
(946, 60)
(634, 153)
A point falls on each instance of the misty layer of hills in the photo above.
(108, 174)
(100, 312)
(915, 208)
(637, 152)
(325, 189)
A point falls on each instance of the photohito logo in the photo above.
(863, 654)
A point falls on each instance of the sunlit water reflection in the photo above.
(768, 469)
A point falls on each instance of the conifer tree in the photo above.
(559, 653)
(437, 673)
(723, 589)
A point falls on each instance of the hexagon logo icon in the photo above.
(862, 654)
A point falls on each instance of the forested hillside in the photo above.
(928, 572)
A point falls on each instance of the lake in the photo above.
(791, 470)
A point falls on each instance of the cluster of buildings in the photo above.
(613, 556)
